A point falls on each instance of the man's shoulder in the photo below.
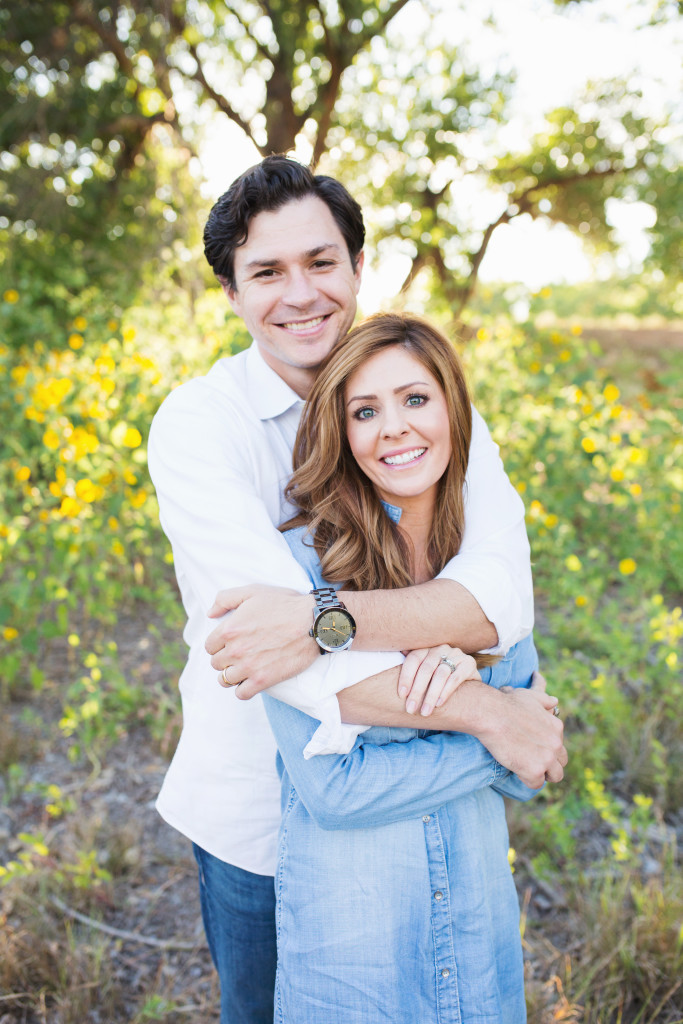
(226, 379)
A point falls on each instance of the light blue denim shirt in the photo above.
(395, 900)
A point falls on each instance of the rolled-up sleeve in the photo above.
(494, 561)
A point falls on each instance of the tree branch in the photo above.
(220, 101)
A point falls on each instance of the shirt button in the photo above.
(427, 818)
(438, 895)
(445, 972)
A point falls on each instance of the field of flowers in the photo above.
(598, 459)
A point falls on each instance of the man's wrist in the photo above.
(474, 708)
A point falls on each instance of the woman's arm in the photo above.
(375, 785)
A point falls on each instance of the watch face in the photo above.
(335, 629)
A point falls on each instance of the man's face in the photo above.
(295, 288)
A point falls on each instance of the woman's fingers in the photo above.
(427, 681)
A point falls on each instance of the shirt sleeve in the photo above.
(494, 561)
(377, 784)
(205, 468)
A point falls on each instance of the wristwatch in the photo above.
(333, 624)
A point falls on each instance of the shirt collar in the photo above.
(269, 394)
(393, 511)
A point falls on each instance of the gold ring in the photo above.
(225, 678)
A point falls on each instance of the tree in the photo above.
(92, 85)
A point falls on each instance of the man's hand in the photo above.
(527, 738)
(265, 638)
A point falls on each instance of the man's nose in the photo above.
(300, 290)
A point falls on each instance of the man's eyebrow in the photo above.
(397, 391)
(310, 254)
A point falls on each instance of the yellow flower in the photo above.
(627, 566)
(130, 478)
(112, 325)
(18, 374)
(483, 334)
(636, 490)
(87, 491)
(551, 520)
(118, 548)
(521, 486)
(80, 323)
(73, 639)
(113, 523)
(534, 367)
(573, 563)
(671, 659)
(616, 474)
(11, 296)
(138, 499)
(51, 439)
(565, 355)
(129, 334)
(545, 293)
(75, 341)
(69, 508)
(588, 444)
(22, 474)
(10, 633)
(577, 330)
(132, 438)
(581, 601)
(611, 393)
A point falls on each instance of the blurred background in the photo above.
(520, 168)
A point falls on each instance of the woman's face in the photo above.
(397, 426)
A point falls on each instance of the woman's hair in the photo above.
(356, 541)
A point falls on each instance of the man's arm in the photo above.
(483, 599)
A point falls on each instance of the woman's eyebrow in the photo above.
(396, 391)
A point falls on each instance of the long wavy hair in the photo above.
(358, 544)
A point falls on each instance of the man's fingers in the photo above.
(555, 773)
(227, 600)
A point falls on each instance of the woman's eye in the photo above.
(364, 414)
(416, 400)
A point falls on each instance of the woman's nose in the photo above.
(394, 423)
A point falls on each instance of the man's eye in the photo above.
(265, 273)
(323, 263)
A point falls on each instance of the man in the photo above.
(287, 249)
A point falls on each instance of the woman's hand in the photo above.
(427, 681)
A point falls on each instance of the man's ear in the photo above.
(358, 272)
(230, 293)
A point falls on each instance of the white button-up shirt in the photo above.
(219, 455)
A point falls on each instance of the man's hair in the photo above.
(267, 186)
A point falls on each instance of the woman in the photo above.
(395, 898)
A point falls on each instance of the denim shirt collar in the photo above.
(393, 511)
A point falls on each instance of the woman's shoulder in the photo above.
(300, 541)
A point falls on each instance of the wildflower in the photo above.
(573, 563)
(113, 523)
(112, 325)
(80, 323)
(130, 478)
(577, 330)
(73, 639)
(565, 355)
(75, 341)
(132, 438)
(611, 393)
(129, 334)
(11, 296)
(671, 659)
(483, 334)
(551, 520)
(22, 474)
(588, 444)
(535, 367)
(616, 474)
(87, 491)
(581, 601)
(627, 566)
(51, 439)
(10, 633)
(69, 508)
(138, 499)
(636, 490)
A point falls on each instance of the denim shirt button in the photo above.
(438, 895)
(427, 818)
(445, 972)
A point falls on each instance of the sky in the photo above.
(553, 53)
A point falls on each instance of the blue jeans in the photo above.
(238, 909)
